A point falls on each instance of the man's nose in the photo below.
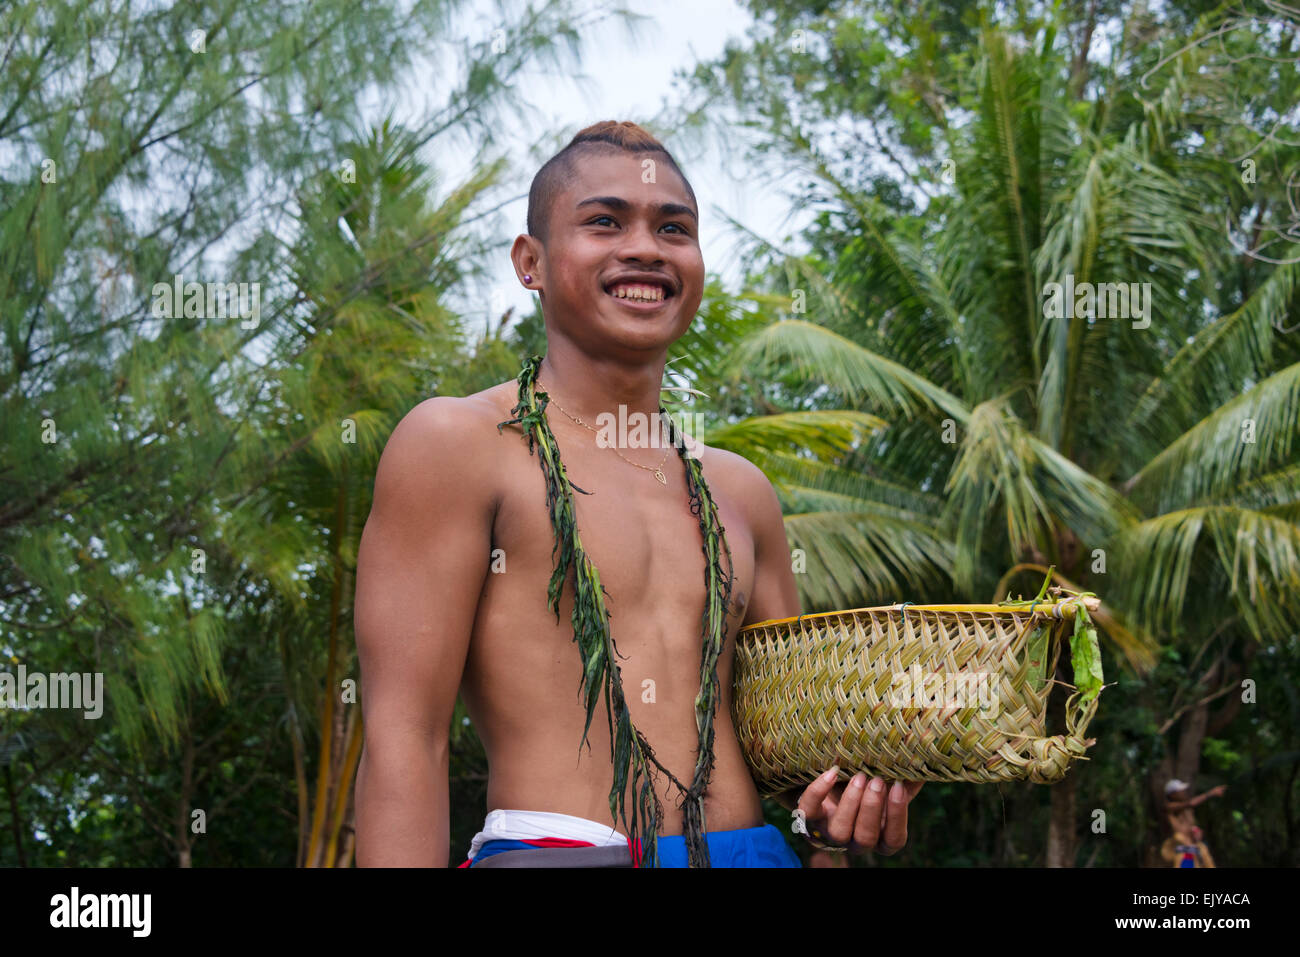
(641, 243)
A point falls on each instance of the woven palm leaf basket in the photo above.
(915, 692)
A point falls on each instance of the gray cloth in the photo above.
(612, 856)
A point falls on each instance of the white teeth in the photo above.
(638, 293)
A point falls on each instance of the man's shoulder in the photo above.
(732, 468)
(446, 441)
(459, 419)
(739, 478)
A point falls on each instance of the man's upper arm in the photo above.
(775, 594)
(423, 558)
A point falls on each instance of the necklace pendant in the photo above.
(660, 476)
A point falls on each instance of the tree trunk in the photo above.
(1060, 832)
(330, 841)
(328, 716)
(1187, 765)
(1061, 827)
(1079, 66)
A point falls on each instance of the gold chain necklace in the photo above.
(658, 472)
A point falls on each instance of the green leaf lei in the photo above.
(629, 750)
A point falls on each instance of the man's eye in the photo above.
(593, 222)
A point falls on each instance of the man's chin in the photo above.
(665, 324)
(644, 340)
(619, 331)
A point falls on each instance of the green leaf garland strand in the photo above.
(629, 750)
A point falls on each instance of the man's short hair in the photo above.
(558, 173)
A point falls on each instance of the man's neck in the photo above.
(585, 386)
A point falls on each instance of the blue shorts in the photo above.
(751, 847)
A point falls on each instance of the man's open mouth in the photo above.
(640, 292)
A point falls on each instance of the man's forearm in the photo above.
(402, 808)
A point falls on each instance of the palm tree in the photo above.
(1149, 458)
(374, 263)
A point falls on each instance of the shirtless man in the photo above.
(1184, 847)
(436, 613)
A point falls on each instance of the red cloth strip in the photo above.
(555, 842)
(542, 842)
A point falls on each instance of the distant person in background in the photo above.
(1184, 847)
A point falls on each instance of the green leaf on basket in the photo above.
(1036, 654)
(1085, 656)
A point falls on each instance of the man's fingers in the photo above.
(867, 831)
(896, 818)
(810, 802)
(829, 806)
(840, 826)
(861, 815)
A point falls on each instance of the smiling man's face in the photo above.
(621, 272)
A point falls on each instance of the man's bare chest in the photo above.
(642, 537)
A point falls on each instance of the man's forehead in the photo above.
(621, 177)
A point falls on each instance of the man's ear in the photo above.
(528, 257)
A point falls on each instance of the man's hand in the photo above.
(859, 816)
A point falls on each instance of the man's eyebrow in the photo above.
(617, 202)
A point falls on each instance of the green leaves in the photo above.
(1036, 654)
(821, 434)
(1236, 442)
(1085, 657)
(861, 375)
(1206, 557)
(1002, 469)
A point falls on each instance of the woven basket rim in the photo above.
(973, 609)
